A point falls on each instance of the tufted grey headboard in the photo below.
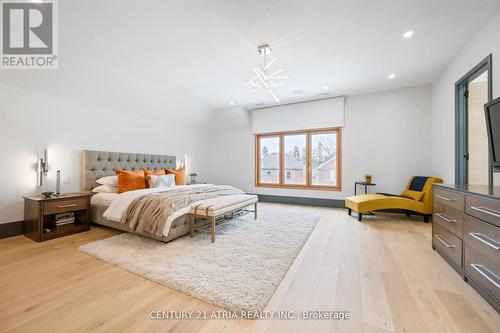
(97, 164)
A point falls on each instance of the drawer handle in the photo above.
(67, 206)
(486, 210)
(486, 273)
(443, 217)
(485, 239)
(444, 198)
(445, 242)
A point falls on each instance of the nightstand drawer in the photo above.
(449, 218)
(62, 206)
(449, 198)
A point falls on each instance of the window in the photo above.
(294, 159)
(323, 162)
(269, 160)
(309, 159)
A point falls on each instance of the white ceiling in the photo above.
(184, 57)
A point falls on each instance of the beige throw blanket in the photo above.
(149, 212)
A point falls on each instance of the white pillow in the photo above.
(105, 189)
(109, 180)
(161, 181)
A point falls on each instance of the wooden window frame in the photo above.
(309, 133)
(257, 166)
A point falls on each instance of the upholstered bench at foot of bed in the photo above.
(215, 208)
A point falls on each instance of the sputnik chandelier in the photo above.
(262, 81)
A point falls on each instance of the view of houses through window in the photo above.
(295, 158)
(270, 161)
(309, 158)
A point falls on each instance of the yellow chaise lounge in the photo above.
(417, 197)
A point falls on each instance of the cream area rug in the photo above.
(239, 272)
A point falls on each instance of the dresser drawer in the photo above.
(448, 243)
(484, 209)
(482, 254)
(449, 198)
(483, 237)
(449, 218)
(483, 269)
(64, 206)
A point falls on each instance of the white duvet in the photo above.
(121, 203)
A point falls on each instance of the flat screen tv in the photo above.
(492, 110)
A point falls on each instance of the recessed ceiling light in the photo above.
(391, 76)
(408, 34)
(325, 87)
(231, 103)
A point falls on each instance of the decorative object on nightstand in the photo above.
(368, 179)
(54, 217)
(58, 183)
(193, 177)
(47, 194)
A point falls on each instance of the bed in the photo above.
(162, 212)
(97, 164)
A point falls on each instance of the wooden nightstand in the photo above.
(40, 212)
(197, 182)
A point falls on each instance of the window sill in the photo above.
(301, 187)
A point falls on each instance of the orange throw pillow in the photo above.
(180, 176)
(130, 180)
(148, 173)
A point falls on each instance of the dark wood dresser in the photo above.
(466, 233)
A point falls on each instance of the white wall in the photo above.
(386, 134)
(30, 122)
(487, 41)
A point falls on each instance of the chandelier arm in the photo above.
(254, 84)
(277, 72)
(270, 63)
(260, 72)
(274, 96)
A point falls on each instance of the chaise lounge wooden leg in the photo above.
(407, 212)
(255, 212)
(213, 229)
(349, 211)
(426, 218)
(360, 217)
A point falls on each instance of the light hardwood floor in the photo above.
(382, 270)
